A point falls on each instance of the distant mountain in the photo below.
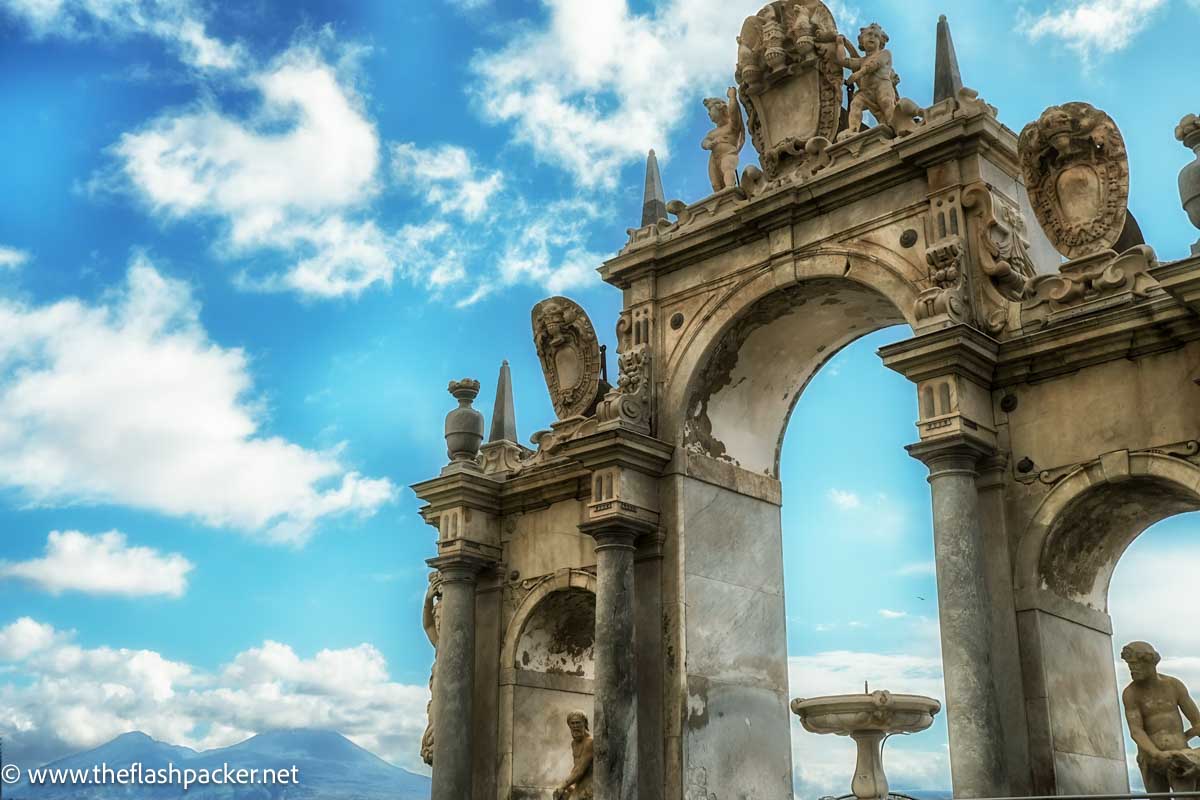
(329, 765)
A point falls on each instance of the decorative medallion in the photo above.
(790, 79)
(1077, 174)
(570, 354)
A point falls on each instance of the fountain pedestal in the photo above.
(867, 719)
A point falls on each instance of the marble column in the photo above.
(977, 742)
(453, 686)
(615, 770)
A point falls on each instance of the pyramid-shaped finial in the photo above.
(504, 415)
(654, 204)
(947, 80)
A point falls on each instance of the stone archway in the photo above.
(747, 363)
(1064, 564)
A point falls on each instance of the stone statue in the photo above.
(724, 141)
(431, 621)
(578, 785)
(1153, 703)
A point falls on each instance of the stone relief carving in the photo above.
(1153, 705)
(725, 141)
(630, 402)
(947, 297)
(578, 784)
(570, 354)
(431, 621)
(1188, 132)
(874, 84)
(999, 235)
(1077, 174)
(1087, 280)
(697, 785)
(790, 80)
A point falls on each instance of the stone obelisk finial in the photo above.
(654, 204)
(947, 80)
(504, 415)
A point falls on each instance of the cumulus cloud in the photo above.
(101, 564)
(129, 402)
(1093, 26)
(180, 24)
(888, 613)
(71, 698)
(918, 568)
(824, 765)
(11, 257)
(446, 177)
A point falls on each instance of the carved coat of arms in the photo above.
(570, 354)
(790, 80)
(1077, 174)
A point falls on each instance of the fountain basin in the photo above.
(868, 719)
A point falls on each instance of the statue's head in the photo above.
(872, 38)
(1142, 659)
(718, 111)
(577, 721)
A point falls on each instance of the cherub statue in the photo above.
(1153, 705)
(725, 141)
(873, 77)
(431, 621)
(578, 785)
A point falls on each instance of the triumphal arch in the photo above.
(607, 605)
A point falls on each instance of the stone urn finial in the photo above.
(464, 425)
(1188, 132)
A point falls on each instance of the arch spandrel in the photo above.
(745, 360)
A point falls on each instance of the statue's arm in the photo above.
(735, 118)
(582, 767)
(1188, 706)
(1133, 716)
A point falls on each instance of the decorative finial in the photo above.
(654, 204)
(947, 80)
(464, 425)
(504, 415)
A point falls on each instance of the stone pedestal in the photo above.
(977, 742)
(615, 770)
(454, 683)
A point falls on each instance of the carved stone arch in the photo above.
(561, 581)
(1082, 527)
(767, 337)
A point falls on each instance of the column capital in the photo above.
(620, 533)
(460, 567)
(952, 454)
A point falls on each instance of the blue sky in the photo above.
(243, 248)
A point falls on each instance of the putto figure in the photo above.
(725, 141)
(431, 621)
(578, 785)
(873, 77)
(1153, 703)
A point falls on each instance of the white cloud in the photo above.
(179, 23)
(128, 402)
(71, 698)
(888, 613)
(446, 177)
(1093, 26)
(295, 176)
(844, 499)
(102, 564)
(919, 568)
(824, 765)
(11, 258)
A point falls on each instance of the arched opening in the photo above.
(858, 555)
(1149, 595)
(1067, 559)
(547, 672)
(755, 373)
